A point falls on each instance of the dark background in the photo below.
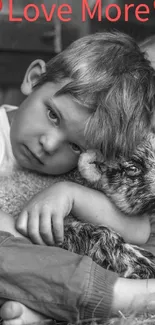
(22, 42)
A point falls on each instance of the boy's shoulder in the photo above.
(6, 156)
(7, 113)
(7, 108)
(4, 121)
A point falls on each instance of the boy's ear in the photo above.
(32, 75)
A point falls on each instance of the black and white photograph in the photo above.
(77, 162)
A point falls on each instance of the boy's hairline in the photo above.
(61, 91)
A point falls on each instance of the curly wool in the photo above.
(19, 187)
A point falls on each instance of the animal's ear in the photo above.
(88, 165)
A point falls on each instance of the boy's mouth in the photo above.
(33, 157)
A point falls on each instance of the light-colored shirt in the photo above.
(7, 160)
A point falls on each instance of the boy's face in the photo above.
(47, 133)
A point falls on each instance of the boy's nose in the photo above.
(51, 142)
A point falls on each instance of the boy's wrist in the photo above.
(75, 194)
(67, 188)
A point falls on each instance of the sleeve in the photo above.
(55, 282)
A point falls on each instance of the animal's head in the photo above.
(130, 184)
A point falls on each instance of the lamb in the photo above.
(130, 184)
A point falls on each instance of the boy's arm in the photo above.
(55, 203)
(93, 206)
(133, 296)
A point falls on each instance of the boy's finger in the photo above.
(33, 227)
(58, 229)
(45, 227)
(21, 223)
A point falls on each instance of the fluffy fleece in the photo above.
(18, 188)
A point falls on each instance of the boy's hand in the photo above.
(42, 218)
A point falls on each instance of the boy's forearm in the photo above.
(93, 206)
(133, 296)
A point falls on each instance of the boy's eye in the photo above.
(52, 115)
(75, 147)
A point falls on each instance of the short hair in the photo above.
(109, 74)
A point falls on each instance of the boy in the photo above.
(79, 100)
